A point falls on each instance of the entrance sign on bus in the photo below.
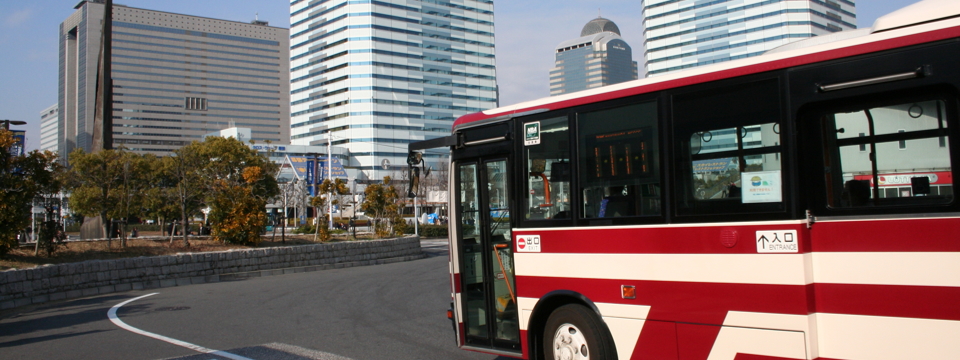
(777, 241)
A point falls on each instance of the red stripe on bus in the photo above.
(893, 235)
(679, 301)
(665, 240)
(657, 341)
(888, 44)
(524, 348)
(923, 302)
(903, 235)
(708, 303)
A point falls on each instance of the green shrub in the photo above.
(433, 231)
(428, 230)
(304, 229)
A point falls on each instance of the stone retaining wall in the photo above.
(88, 278)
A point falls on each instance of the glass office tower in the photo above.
(598, 57)
(681, 34)
(373, 76)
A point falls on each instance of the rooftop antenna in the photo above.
(598, 13)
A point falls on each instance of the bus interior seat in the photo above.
(856, 193)
(617, 206)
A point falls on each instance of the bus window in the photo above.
(723, 168)
(547, 159)
(729, 150)
(619, 173)
(906, 158)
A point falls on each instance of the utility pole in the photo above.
(330, 172)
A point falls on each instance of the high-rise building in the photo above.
(49, 129)
(175, 78)
(688, 33)
(597, 58)
(372, 77)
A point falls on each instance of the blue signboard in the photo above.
(712, 165)
(19, 141)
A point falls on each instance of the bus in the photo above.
(795, 205)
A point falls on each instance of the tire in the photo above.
(575, 333)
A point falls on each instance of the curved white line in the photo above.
(112, 314)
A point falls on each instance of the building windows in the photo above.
(195, 103)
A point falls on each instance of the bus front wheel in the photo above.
(575, 333)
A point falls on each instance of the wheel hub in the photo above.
(570, 344)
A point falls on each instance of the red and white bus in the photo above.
(794, 205)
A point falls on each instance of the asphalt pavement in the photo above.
(391, 311)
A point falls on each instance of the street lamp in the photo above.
(8, 122)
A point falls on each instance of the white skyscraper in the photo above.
(681, 34)
(375, 76)
(49, 128)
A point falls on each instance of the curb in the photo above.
(192, 280)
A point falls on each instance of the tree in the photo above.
(185, 170)
(293, 193)
(162, 202)
(336, 190)
(240, 183)
(321, 233)
(382, 205)
(239, 211)
(22, 178)
(130, 194)
(91, 179)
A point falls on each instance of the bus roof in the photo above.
(925, 21)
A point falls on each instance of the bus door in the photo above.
(488, 290)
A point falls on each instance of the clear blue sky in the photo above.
(526, 30)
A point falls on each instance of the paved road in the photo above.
(394, 311)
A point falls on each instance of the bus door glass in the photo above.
(487, 272)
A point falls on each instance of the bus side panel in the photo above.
(887, 288)
(697, 290)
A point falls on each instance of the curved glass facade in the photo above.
(406, 69)
(681, 34)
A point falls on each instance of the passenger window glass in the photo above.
(729, 150)
(741, 163)
(619, 173)
(547, 158)
(906, 158)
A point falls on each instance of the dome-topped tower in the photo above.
(599, 25)
(599, 57)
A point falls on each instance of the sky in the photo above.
(526, 33)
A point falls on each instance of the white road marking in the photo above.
(112, 314)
